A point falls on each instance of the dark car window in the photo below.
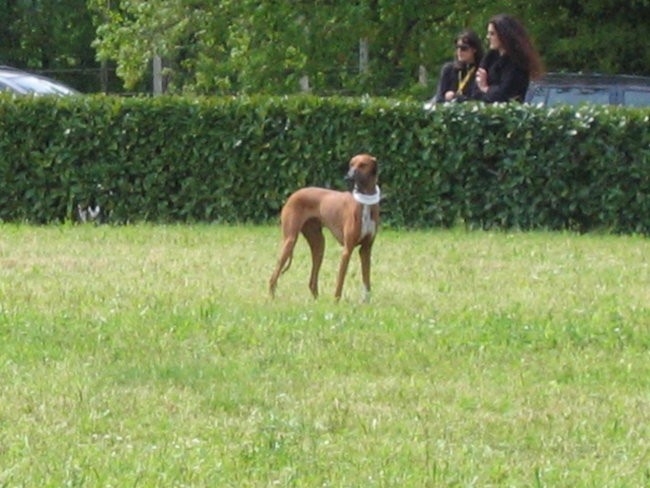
(636, 98)
(577, 89)
(577, 96)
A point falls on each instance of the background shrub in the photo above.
(236, 159)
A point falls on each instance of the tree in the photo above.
(48, 36)
(258, 46)
(595, 36)
(271, 46)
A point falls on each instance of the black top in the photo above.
(451, 76)
(507, 81)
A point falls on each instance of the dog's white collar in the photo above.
(364, 199)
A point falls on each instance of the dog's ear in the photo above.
(375, 168)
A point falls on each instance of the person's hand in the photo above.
(482, 80)
(449, 95)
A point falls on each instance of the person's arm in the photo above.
(445, 83)
(511, 85)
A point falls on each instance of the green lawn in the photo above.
(152, 356)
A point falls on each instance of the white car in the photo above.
(23, 83)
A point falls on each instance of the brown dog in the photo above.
(352, 217)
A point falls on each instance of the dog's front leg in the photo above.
(343, 268)
(364, 254)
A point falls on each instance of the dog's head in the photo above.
(362, 173)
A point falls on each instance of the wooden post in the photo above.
(103, 76)
(423, 76)
(157, 75)
(304, 83)
(364, 55)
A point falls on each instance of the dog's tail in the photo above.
(287, 265)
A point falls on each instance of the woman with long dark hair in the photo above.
(512, 61)
(457, 78)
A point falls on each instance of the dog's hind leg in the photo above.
(313, 232)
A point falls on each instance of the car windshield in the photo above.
(577, 96)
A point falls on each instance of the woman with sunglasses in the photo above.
(511, 62)
(457, 78)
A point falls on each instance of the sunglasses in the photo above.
(463, 47)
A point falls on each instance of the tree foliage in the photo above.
(269, 46)
(601, 36)
(47, 35)
(251, 46)
(238, 46)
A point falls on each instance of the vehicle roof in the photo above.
(25, 82)
(594, 79)
(11, 71)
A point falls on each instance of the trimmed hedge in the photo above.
(236, 160)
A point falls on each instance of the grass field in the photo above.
(152, 356)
